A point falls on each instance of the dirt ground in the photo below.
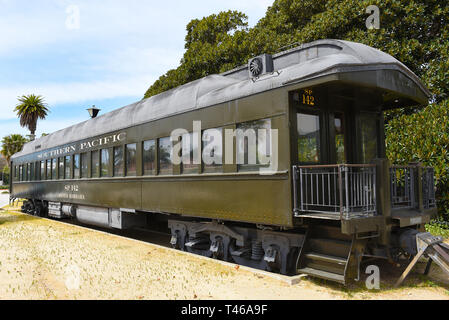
(43, 259)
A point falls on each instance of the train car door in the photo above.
(322, 134)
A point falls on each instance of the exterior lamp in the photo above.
(93, 112)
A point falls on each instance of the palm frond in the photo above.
(30, 109)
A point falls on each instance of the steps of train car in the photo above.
(325, 254)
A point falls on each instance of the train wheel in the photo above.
(39, 210)
(273, 259)
(217, 248)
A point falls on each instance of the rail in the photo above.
(410, 185)
(428, 187)
(345, 190)
(403, 187)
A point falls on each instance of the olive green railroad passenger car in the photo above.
(328, 200)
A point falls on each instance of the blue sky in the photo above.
(82, 53)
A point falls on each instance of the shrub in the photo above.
(424, 137)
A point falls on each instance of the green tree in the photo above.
(5, 175)
(3, 162)
(12, 144)
(212, 46)
(415, 32)
(29, 110)
(424, 137)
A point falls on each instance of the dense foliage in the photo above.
(5, 176)
(12, 144)
(416, 32)
(424, 137)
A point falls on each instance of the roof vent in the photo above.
(260, 65)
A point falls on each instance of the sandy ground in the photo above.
(43, 259)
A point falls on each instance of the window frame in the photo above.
(191, 167)
(95, 169)
(126, 162)
(68, 169)
(74, 175)
(104, 165)
(170, 169)
(115, 172)
(212, 168)
(246, 167)
(84, 165)
(61, 168)
(154, 162)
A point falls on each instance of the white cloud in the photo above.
(135, 60)
(60, 93)
(121, 47)
(36, 24)
(43, 126)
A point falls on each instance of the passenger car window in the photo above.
(83, 160)
(37, 168)
(118, 162)
(189, 147)
(252, 145)
(53, 169)
(309, 141)
(149, 157)
(339, 125)
(68, 167)
(76, 166)
(165, 156)
(61, 168)
(42, 170)
(369, 134)
(104, 163)
(131, 153)
(95, 164)
(31, 175)
(212, 154)
(48, 169)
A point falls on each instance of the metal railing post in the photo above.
(301, 184)
(347, 206)
(420, 187)
(340, 189)
(295, 191)
(383, 183)
(354, 193)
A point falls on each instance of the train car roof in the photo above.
(314, 60)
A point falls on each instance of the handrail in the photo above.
(347, 189)
(412, 186)
(318, 166)
(350, 189)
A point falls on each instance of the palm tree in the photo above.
(29, 110)
(12, 144)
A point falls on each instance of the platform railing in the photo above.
(403, 187)
(428, 187)
(347, 191)
(412, 187)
